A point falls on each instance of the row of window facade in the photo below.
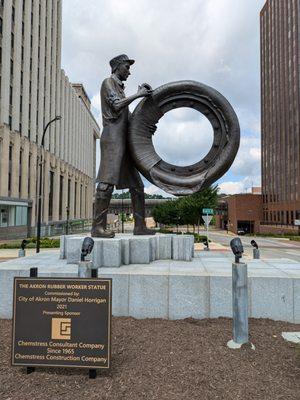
(49, 60)
(281, 217)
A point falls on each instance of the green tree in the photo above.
(126, 195)
(186, 210)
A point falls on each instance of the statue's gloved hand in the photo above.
(144, 90)
(147, 86)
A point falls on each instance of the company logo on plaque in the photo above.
(61, 328)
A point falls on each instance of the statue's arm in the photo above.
(143, 91)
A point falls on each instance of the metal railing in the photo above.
(63, 228)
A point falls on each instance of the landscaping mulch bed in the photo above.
(160, 359)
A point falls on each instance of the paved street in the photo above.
(269, 247)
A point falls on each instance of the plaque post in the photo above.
(93, 372)
(33, 274)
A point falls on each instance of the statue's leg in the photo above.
(102, 200)
(138, 206)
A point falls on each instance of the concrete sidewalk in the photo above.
(9, 254)
(212, 245)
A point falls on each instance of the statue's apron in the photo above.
(116, 166)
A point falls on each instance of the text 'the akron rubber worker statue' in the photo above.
(116, 167)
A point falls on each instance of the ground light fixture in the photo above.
(87, 247)
(206, 244)
(24, 244)
(22, 252)
(237, 248)
(254, 244)
(256, 252)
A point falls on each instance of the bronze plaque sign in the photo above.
(62, 322)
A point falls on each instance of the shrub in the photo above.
(46, 243)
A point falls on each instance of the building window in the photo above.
(13, 215)
(29, 175)
(10, 168)
(51, 184)
(20, 172)
(75, 200)
(61, 188)
(85, 205)
(81, 200)
(10, 95)
(69, 193)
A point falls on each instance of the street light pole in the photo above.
(39, 213)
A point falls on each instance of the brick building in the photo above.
(240, 212)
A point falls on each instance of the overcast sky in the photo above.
(215, 42)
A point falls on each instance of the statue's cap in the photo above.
(116, 61)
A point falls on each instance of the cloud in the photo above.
(212, 41)
(183, 137)
(248, 158)
(243, 186)
(231, 187)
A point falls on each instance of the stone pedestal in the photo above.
(127, 249)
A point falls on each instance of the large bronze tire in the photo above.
(190, 179)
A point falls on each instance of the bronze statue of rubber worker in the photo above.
(116, 167)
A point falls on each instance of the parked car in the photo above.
(241, 231)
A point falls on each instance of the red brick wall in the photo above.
(244, 207)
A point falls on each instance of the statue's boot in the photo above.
(102, 200)
(138, 206)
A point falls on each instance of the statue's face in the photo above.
(123, 71)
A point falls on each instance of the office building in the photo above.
(280, 109)
(34, 89)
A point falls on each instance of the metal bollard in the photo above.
(256, 254)
(240, 303)
(85, 269)
(22, 253)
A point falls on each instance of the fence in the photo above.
(63, 228)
